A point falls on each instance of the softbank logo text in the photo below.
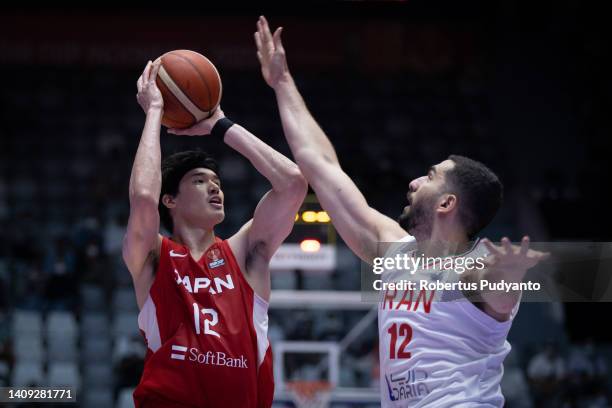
(216, 358)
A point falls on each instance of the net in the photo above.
(310, 394)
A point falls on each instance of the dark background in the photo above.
(398, 86)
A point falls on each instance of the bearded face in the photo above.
(418, 216)
(423, 195)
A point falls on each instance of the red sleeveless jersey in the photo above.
(206, 334)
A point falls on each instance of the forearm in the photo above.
(145, 179)
(301, 130)
(500, 301)
(281, 172)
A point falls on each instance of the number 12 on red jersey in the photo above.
(214, 319)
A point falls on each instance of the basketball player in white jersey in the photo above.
(440, 354)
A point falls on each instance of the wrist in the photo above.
(155, 108)
(221, 127)
(284, 80)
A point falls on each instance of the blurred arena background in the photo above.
(397, 86)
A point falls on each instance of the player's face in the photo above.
(423, 194)
(200, 199)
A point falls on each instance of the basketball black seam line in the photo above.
(179, 102)
(201, 77)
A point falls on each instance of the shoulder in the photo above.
(403, 244)
(238, 243)
(245, 248)
(158, 246)
(144, 279)
(155, 253)
(388, 229)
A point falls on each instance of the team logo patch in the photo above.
(410, 386)
(178, 352)
(213, 256)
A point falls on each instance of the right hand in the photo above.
(202, 127)
(148, 95)
(270, 53)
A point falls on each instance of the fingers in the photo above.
(278, 44)
(265, 30)
(507, 245)
(259, 45)
(155, 70)
(147, 72)
(489, 262)
(190, 131)
(492, 248)
(544, 255)
(524, 245)
(257, 40)
(264, 43)
(141, 80)
(139, 84)
(262, 46)
(259, 31)
(539, 255)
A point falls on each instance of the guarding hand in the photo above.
(270, 53)
(512, 258)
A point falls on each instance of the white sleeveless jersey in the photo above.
(436, 353)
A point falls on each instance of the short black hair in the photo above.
(174, 167)
(479, 191)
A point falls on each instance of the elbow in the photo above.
(311, 160)
(143, 195)
(144, 202)
(296, 183)
(307, 157)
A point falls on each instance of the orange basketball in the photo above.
(191, 87)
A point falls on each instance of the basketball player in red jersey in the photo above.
(203, 301)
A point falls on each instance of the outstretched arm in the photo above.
(361, 226)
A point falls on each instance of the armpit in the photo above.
(257, 252)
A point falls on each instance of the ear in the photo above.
(447, 203)
(168, 201)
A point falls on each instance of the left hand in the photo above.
(270, 53)
(512, 259)
(202, 128)
(148, 95)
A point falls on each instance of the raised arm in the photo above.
(274, 216)
(361, 226)
(142, 235)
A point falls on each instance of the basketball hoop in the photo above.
(310, 394)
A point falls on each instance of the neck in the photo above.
(195, 238)
(443, 242)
